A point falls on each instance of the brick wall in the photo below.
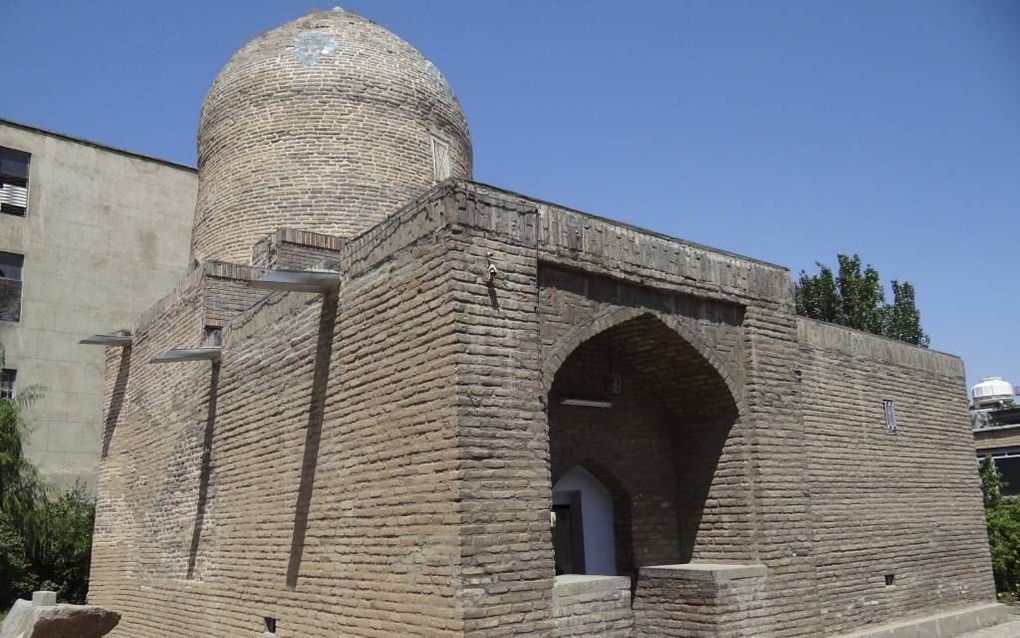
(906, 504)
(227, 293)
(716, 603)
(326, 499)
(294, 249)
(143, 493)
(381, 463)
(584, 607)
(996, 439)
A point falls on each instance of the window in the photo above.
(7, 378)
(1007, 461)
(441, 158)
(10, 286)
(890, 416)
(11, 265)
(13, 182)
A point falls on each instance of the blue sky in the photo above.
(784, 130)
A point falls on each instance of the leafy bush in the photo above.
(16, 578)
(1002, 515)
(45, 539)
(63, 549)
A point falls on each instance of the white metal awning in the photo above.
(318, 281)
(107, 340)
(179, 355)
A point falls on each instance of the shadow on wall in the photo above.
(700, 448)
(117, 398)
(204, 468)
(313, 434)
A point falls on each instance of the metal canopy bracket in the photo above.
(180, 355)
(586, 403)
(318, 281)
(107, 340)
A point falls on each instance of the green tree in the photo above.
(16, 578)
(855, 298)
(21, 488)
(862, 295)
(992, 483)
(1002, 516)
(45, 540)
(818, 296)
(903, 321)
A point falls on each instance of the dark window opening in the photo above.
(890, 579)
(1009, 467)
(11, 265)
(270, 625)
(13, 182)
(7, 381)
(213, 336)
(568, 534)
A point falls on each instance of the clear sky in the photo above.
(783, 130)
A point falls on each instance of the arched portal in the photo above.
(651, 421)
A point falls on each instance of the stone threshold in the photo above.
(578, 584)
(945, 625)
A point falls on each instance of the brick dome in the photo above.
(328, 123)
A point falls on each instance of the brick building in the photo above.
(402, 403)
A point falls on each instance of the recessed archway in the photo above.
(648, 415)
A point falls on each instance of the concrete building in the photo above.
(390, 401)
(995, 421)
(90, 236)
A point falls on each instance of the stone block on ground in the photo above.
(26, 620)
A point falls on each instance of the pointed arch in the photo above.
(568, 344)
(640, 401)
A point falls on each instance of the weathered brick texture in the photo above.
(904, 504)
(585, 608)
(708, 604)
(776, 530)
(332, 142)
(996, 439)
(329, 494)
(294, 249)
(380, 463)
